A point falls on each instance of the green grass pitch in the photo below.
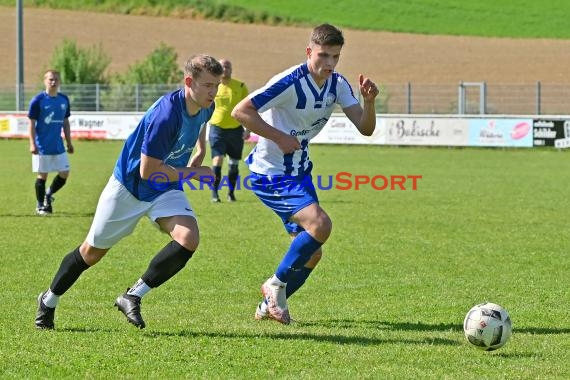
(399, 273)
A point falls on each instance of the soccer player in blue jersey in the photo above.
(49, 113)
(287, 113)
(147, 181)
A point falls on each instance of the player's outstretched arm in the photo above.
(246, 113)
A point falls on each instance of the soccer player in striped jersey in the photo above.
(287, 113)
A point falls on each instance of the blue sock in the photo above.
(297, 280)
(300, 251)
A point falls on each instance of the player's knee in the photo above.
(92, 255)
(190, 245)
(320, 227)
(324, 226)
(189, 240)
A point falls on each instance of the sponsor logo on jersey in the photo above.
(331, 98)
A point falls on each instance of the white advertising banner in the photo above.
(501, 132)
(84, 125)
(427, 131)
(340, 130)
(562, 143)
(13, 125)
(103, 126)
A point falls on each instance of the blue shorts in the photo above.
(226, 141)
(285, 195)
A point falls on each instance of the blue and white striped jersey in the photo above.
(293, 103)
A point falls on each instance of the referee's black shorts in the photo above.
(226, 141)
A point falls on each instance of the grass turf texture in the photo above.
(488, 18)
(399, 273)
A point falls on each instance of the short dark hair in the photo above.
(327, 35)
(52, 71)
(202, 62)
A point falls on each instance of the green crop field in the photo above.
(489, 18)
(399, 273)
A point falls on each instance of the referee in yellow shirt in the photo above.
(226, 133)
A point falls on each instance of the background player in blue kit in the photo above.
(49, 113)
(159, 148)
(287, 113)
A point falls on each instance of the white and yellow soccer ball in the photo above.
(487, 326)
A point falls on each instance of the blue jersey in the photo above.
(166, 132)
(49, 112)
(293, 103)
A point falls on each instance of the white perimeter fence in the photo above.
(464, 98)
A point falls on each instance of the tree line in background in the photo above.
(79, 65)
(85, 79)
(83, 66)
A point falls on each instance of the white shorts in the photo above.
(118, 213)
(49, 163)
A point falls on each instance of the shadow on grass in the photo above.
(55, 215)
(516, 355)
(384, 325)
(332, 338)
(541, 330)
(293, 335)
(336, 338)
(419, 326)
(81, 330)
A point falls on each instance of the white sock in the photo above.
(275, 281)
(263, 306)
(50, 300)
(139, 289)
